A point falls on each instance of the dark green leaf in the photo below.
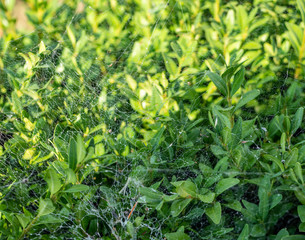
(244, 235)
(301, 212)
(258, 230)
(179, 235)
(275, 160)
(247, 97)
(293, 157)
(238, 81)
(72, 154)
(294, 237)
(178, 206)
(297, 120)
(219, 82)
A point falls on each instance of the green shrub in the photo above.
(152, 119)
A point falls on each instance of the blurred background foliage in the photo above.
(127, 119)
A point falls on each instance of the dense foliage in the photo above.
(152, 119)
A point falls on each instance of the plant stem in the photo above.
(28, 228)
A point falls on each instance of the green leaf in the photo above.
(301, 5)
(81, 150)
(156, 100)
(219, 82)
(297, 120)
(293, 157)
(130, 229)
(251, 207)
(23, 219)
(281, 234)
(301, 212)
(225, 184)
(169, 198)
(236, 133)
(71, 36)
(48, 219)
(156, 139)
(295, 34)
(139, 220)
(77, 188)
(214, 213)
(193, 124)
(283, 142)
(244, 235)
(286, 124)
(218, 151)
(150, 196)
(226, 135)
(275, 200)
(45, 207)
(242, 18)
(278, 121)
(195, 213)
(229, 72)
(300, 196)
(72, 154)
(176, 47)
(294, 237)
(298, 171)
(42, 47)
(53, 181)
(179, 235)
(302, 227)
(247, 97)
(186, 188)
(239, 77)
(263, 195)
(178, 206)
(16, 103)
(207, 198)
(220, 118)
(258, 230)
(235, 205)
(170, 65)
(275, 160)
(70, 176)
(292, 175)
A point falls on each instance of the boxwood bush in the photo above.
(152, 119)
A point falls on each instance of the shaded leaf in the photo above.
(239, 78)
(179, 235)
(45, 207)
(72, 154)
(247, 97)
(219, 82)
(178, 206)
(214, 213)
(53, 181)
